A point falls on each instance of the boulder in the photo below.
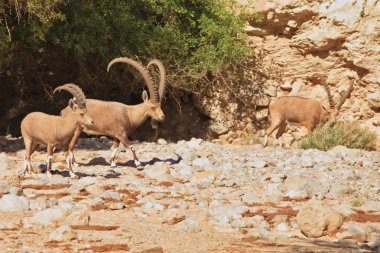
(315, 219)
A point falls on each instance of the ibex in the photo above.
(118, 120)
(40, 129)
(303, 111)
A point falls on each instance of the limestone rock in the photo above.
(314, 219)
(13, 203)
(5, 162)
(47, 217)
(62, 234)
(353, 232)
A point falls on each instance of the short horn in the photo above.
(144, 73)
(162, 87)
(75, 91)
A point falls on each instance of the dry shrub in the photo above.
(349, 134)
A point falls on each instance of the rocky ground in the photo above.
(192, 196)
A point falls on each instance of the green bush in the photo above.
(192, 37)
(348, 134)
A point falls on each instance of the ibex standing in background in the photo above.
(40, 129)
(118, 120)
(303, 111)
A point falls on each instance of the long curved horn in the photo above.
(75, 91)
(318, 78)
(330, 98)
(345, 96)
(160, 65)
(144, 73)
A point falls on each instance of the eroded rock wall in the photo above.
(340, 39)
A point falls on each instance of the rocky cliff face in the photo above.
(339, 39)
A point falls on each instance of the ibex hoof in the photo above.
(48, 174)
(73, 175)
(113, 164)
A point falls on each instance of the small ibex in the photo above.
(40, 129)
(118, 120)
(303, 111)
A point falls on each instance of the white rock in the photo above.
(62, 234)
(194, 143)
(314, 219)
(201, 162)
(38, 204)
(371, 205)
(190, 224)
(109, 195)
(188, 155)
(353, 232)
(301, 187)
(258, 164)
(15, 191)
(301, 194)
(13, 203)
(156, 172)
(87, 181)
(173, 216)
(306, 161)
(48, 216)
(152, 207)
(250, 197)
(4, 188)
(185, 170)
(162, 141)
(223, 215)
(79, 215)
(116, 206)
(5, 162)
(282, 227)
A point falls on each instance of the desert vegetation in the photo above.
(349, 134)
(44, 43)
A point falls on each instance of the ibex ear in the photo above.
(145, 96)
(73, 105)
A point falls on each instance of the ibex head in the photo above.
(77, 104)
(329, 115)
(153, 109)
(152, 103)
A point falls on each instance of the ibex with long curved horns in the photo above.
(40, 129)
(303, 111)
(118, 120)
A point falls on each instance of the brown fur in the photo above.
(118, 120)
(301, 111)
(40, 129)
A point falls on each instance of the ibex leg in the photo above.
(49, 160)
(125, 141)
(114, 148)
(280, 131)
(273, 126)
(28, 153)
(69, 157)
(77, 132)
